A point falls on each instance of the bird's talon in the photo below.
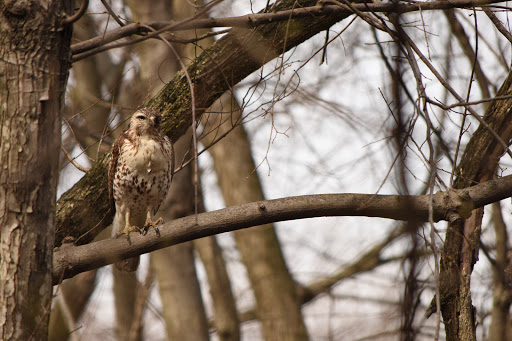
(152, 224)
(127, 232)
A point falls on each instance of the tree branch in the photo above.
(455, 204)
(258, 19)
(84, 210)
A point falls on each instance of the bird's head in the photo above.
(146, 120)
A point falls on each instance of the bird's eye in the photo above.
(141, 117)
(158, 120)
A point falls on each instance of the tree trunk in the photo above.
(34, 65)
(278, 306)
(83, 95)
(499, 330)
(72, 299)
(125, 296)
(174, 266)
(478, 164)
(226, 320)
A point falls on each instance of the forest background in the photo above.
(293, 106)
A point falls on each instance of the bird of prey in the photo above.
(140, 172)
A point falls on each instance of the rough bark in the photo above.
(478, 164)
(277, 305)
(85, 93)
(34, 65)
(83, 211)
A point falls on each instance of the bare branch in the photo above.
(73, 18)
(452, 205)
(254, 20)
(112, 13)
(498, 24)
(73, 161)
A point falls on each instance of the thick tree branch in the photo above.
(456, 204)
(83, 211)
(258, 19)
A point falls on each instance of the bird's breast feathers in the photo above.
(149, 156)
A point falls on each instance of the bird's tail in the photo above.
(128, 265)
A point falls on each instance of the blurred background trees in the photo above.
(381, 102)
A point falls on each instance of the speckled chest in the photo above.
(143, 173)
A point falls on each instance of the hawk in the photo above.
(140, 172)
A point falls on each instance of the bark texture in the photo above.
(34, 65)
(478, 164)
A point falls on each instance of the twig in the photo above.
(73, 161)
(456, 95)
(468, 103)
(68, 317)
(254, 20)
(112, 13)
(73, 18)
(498, 24)
(433, 174)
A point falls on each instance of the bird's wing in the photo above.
(172, 157)
(112, 166)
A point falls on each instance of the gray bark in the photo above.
(478, 164)
(34, 65)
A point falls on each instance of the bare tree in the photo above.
(436, 135)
